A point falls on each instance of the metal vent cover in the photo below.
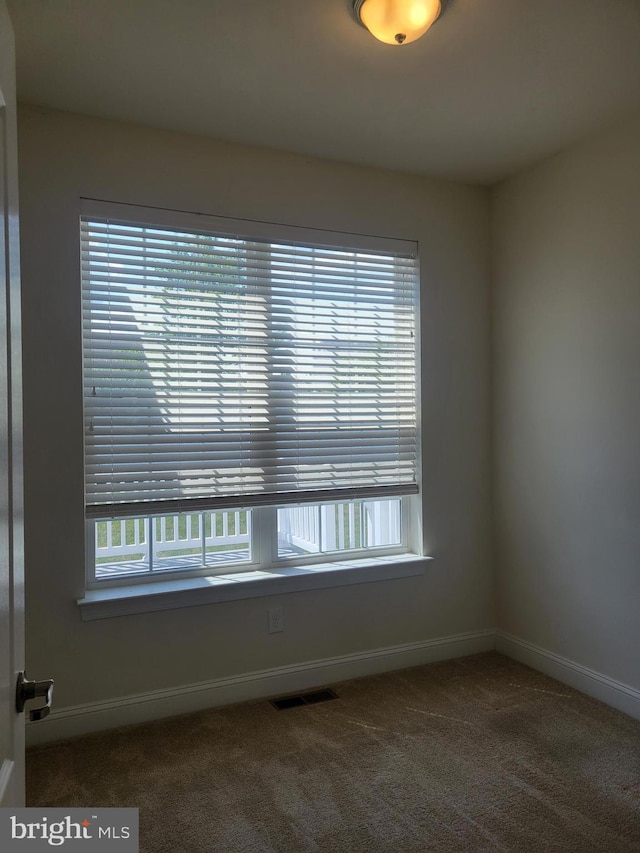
(283, 703)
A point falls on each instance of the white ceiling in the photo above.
(492, 87)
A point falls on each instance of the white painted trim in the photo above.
(6, 772)
(140, 708)
(607, 690)
(190, 592)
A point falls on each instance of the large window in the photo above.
(249, 393)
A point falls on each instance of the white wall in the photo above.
(567, 404)
(63, 157)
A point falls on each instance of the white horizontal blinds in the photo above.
(221, 371)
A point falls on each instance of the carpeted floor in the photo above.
(476, 754)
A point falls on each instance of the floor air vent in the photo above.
(286, 702)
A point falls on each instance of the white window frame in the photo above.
(265, 572)
(263, 551)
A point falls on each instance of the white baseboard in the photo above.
(608, 690)
(78, 720)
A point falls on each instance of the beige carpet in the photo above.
(477, 754)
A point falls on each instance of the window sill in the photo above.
(188, 592)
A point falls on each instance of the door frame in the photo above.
(12, 759)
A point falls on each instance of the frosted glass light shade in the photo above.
(397, 21)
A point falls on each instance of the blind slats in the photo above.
(223, 372)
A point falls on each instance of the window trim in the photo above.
(264, 553)
(169, 590)
(189, 592)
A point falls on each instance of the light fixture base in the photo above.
(357, 5)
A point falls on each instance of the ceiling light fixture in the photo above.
(397, 21)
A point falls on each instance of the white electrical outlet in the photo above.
(276, 620)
